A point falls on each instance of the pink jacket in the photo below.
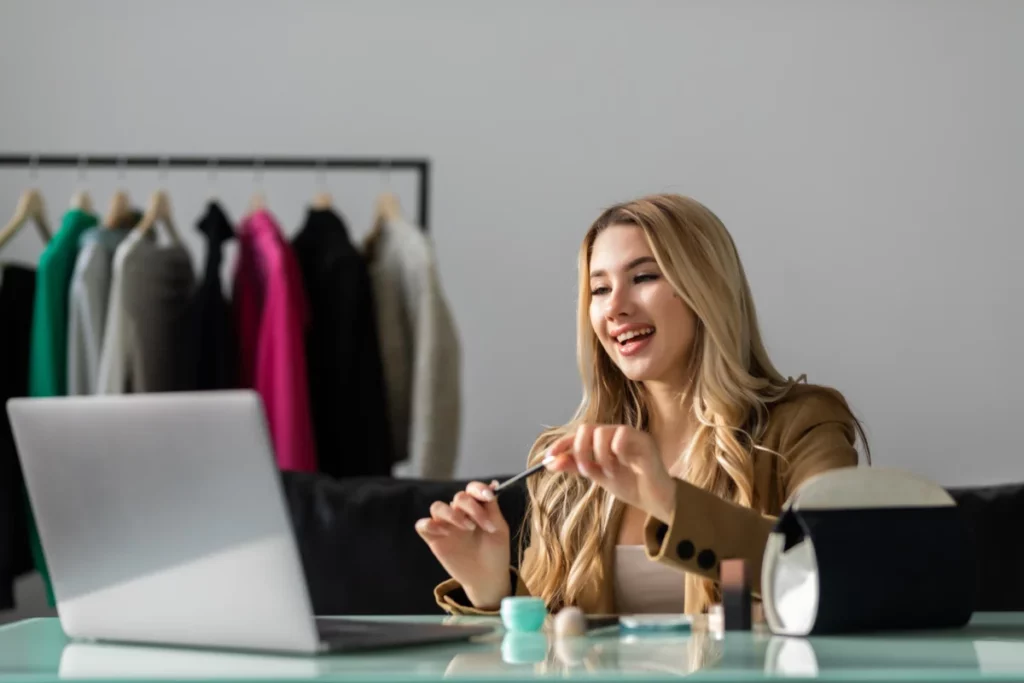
(271, 315)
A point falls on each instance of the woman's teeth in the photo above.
(632, 334)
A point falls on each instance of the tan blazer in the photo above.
(811, 427)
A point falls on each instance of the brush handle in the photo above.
(522, 475)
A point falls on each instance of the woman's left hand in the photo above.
(623, 460)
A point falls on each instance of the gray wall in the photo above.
(867, 156)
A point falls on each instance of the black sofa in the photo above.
(362, 554)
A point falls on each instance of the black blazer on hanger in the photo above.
(213, 333)
(346, 382)
(17, 294)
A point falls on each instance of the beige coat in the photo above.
(420, 352)
(812, 428)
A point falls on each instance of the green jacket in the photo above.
(49, 355)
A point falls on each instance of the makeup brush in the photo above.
(522, 475)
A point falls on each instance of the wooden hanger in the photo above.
(119, 206)
(322, 201)
(258, 202)
(387, 210)
(81, 201)
(159, 209)
(30, 208)
(388, 207)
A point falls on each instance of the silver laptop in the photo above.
(163, 520)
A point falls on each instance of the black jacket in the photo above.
(216, 349)
(346, 383)
(17, 295)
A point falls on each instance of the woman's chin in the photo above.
(638, 372)
(644, 370)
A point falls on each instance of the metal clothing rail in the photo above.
(253, 163)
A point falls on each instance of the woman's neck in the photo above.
(672, 422)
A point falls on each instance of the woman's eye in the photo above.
(598, 291)
(645, 277)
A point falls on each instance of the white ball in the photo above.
(570, 621)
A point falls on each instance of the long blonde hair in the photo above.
(733, 382)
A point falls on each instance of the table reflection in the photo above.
(95, 660)
(981, 650)
(944, 652)
(639, 654)
(748, 655)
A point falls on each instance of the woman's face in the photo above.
(645, 328)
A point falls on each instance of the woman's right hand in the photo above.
(470, 538)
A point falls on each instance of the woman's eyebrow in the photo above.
(629, 266)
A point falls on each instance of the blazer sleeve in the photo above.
(436, 400)
(81, 318)
(452, 599)
(816, 435)
(281, 378)
(117, 348)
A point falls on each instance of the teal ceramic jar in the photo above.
(523, 614)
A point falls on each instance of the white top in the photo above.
(644, 586)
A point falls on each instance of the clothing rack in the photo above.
(253, 163)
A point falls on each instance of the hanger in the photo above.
(388, 207)
(258, 201)
(30, 208)
(159, 209)
(80, 199)
(120, 205)
(387, 210)
(322, 200)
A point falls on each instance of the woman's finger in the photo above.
(430, 529)
(474, 510)
(481, 491)
(603, 454)
(561, 463)
(562, 445)
(628, 446)
(583, 449)
(443, 512)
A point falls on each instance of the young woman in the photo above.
(686, 444)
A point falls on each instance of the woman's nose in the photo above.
(619, 304)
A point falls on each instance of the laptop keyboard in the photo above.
(332, 627)
(357, 634)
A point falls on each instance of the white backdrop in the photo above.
(867, 156)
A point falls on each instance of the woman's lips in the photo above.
(635, 345)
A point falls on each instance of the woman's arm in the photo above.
(813, 434)
(452, 599)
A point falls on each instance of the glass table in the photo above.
(991, 648)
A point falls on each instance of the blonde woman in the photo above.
(687, 441)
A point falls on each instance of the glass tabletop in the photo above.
(991, 648)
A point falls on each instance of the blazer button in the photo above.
(685, 550)
(660, 533)
(706, 560)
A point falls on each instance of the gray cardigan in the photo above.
(420, 352)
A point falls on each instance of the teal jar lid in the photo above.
(523, 613)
